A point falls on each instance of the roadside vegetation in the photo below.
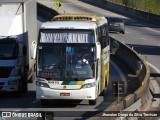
(151, 6)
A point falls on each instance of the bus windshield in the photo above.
(66, 36)
(66, 61)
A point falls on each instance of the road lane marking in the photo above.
(143, 38)
(121, 75)
(152, 29)
(155, 68)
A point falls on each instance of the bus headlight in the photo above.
(88, 85)
(42, 84)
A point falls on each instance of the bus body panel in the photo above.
(80, 94)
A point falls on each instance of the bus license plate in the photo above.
(64, 94)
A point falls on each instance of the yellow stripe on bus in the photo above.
(79, 82)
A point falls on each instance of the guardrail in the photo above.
(137, 64)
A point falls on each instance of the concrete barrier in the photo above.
(128, 100)
(140, 68)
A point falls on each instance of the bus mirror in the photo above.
(33, 50)
(98, 49)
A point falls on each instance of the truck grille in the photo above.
(5, 71)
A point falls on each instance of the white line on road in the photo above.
(155, 68)
(143, 38)
(126, 32)
(152, 29)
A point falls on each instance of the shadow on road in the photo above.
(64, 103)
(9, 100)
(155, 75)
(146, 49)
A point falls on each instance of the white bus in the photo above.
(72, 57)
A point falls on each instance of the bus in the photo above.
(72, 55)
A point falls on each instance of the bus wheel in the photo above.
(44, 102)
(92, 102)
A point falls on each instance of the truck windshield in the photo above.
(8, 49)
(66, 61)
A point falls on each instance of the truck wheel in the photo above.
(25, 85)
(92, 102)
(44, 102)
(122, 32)
(18, 93)
(25, 82)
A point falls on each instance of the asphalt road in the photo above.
(145, 38)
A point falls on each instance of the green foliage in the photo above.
(151, 6)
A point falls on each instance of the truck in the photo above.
(18, 28)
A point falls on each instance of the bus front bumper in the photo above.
(79, 94)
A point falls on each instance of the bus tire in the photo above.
(44, 102)
(92, 102)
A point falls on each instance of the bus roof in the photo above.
(78, 17)
(69, 25)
